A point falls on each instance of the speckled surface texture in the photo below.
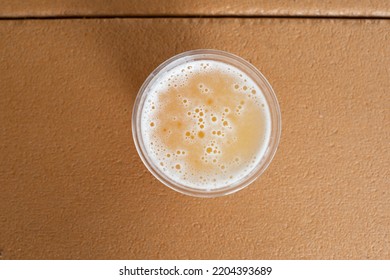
(73, 186)
(58, 8)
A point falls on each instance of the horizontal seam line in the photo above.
(64, 17)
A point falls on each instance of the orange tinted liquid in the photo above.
(206, 124)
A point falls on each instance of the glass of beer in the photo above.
(206, 123)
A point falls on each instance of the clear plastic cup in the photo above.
(226, 58)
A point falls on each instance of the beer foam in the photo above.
(205, 124)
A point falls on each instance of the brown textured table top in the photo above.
(73, 187)
(61, 8)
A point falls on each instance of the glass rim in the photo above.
(255, 75)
